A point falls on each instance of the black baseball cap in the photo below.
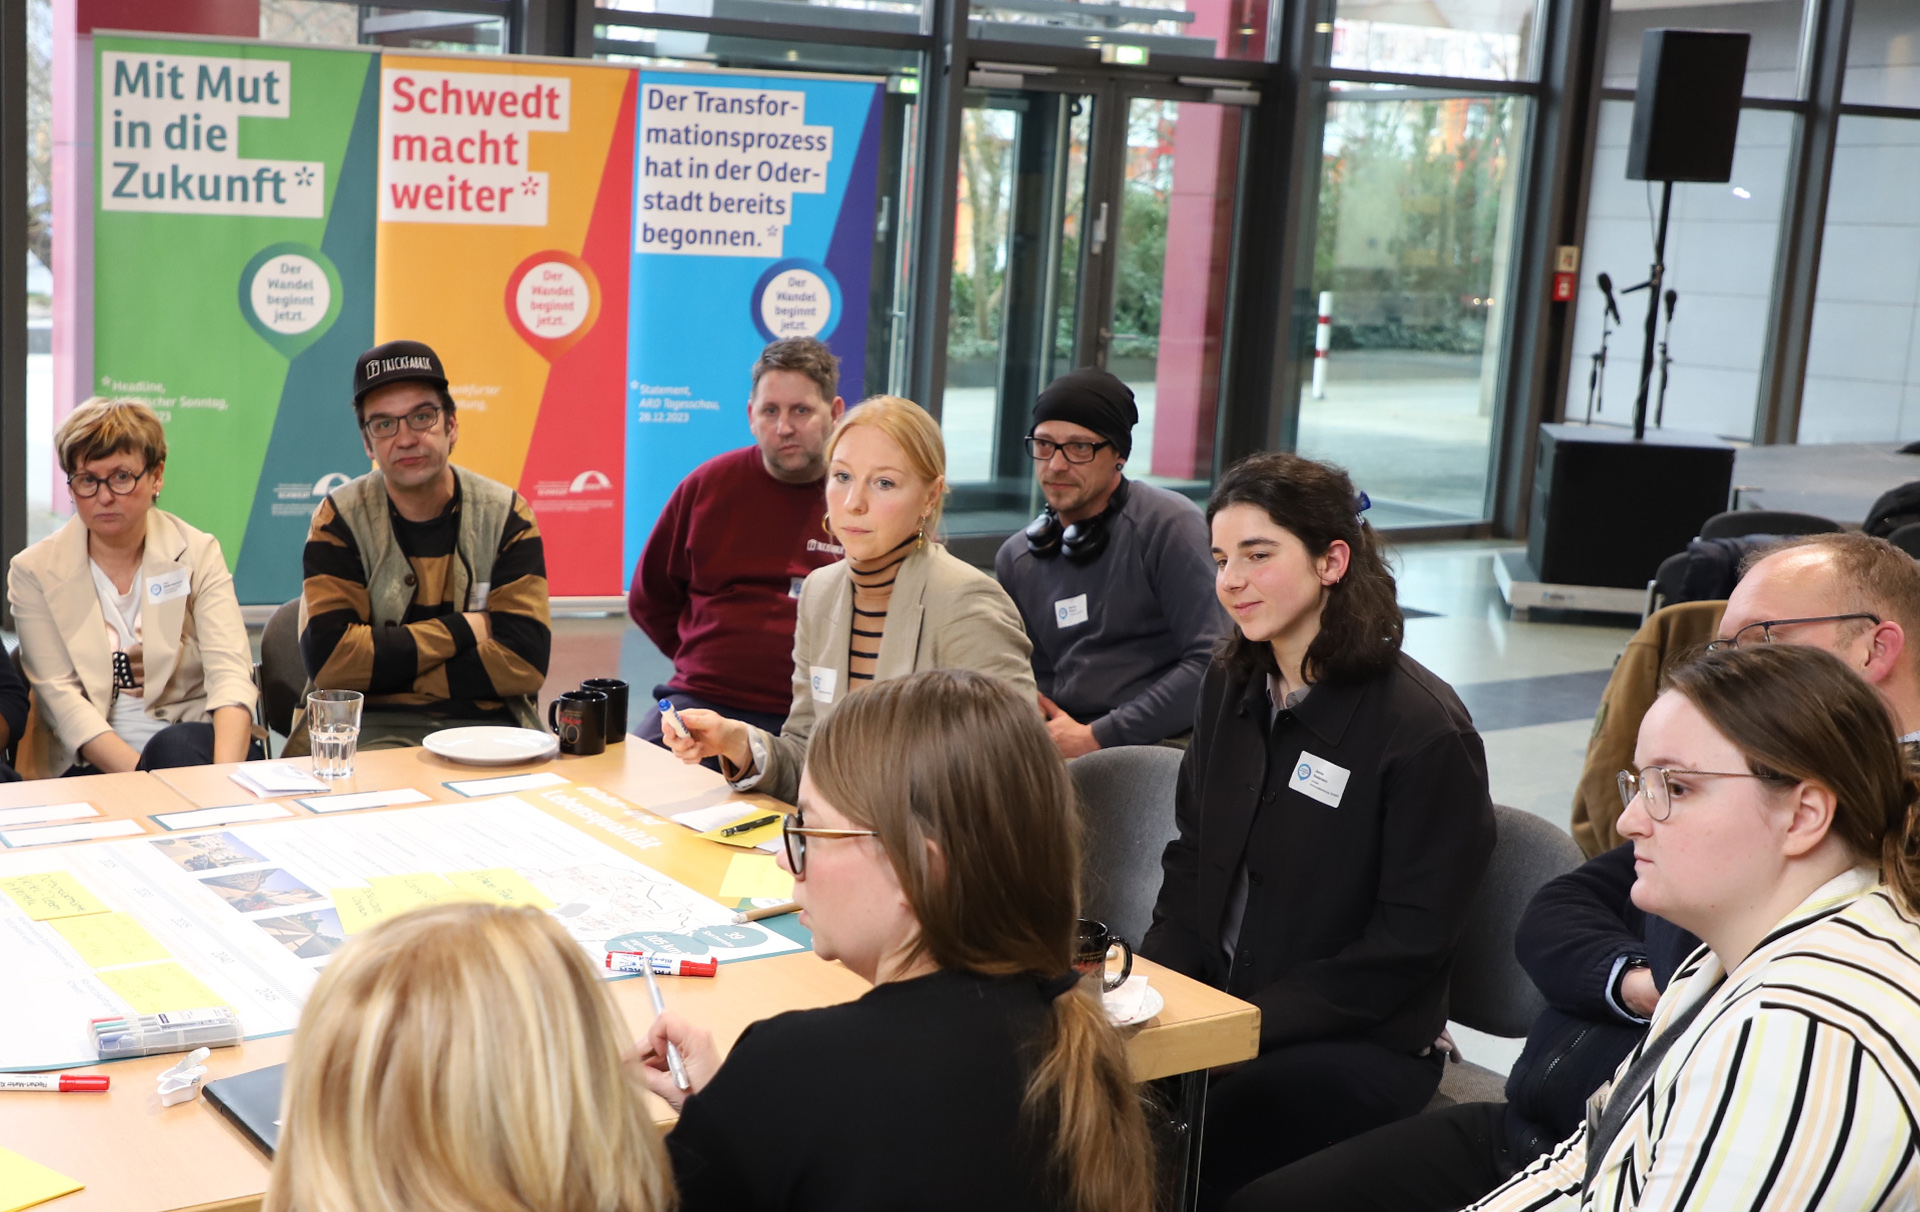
(396, 362)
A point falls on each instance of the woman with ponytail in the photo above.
(1334, 824)
(1771, 814)
(897, 604)
(936, 854)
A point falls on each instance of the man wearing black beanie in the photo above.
(1113, 580)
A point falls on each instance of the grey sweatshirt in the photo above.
(1123, 641)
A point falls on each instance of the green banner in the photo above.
(233, 275)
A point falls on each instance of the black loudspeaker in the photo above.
(1608, 509)
(1686, 110)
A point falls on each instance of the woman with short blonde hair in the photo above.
(898, 604)
(130, 631)
(464, 1058)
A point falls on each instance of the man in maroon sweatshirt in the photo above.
(719, 581)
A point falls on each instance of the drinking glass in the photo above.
(333, 720)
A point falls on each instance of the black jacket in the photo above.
(1352, 911)
(1573, 936)
(13, 709)
(909, 1098)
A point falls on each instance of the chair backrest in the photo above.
(1737, 523)
(1126, 798)
(1491, 992)
(283, 674)
(1907, 539)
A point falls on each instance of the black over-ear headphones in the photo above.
(1081, 542)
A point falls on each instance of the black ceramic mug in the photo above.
(616, 692)
(1095, 947)
(579, 719)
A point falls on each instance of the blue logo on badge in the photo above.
(1304, 773)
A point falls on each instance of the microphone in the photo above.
(1606, 288)
(1673, 297)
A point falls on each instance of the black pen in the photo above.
(749, 826)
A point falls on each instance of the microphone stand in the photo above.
(1660, 404)
(1597, 376)
(1653, 283)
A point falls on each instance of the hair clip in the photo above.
(1361, 504)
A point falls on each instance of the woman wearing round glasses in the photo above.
(979, 1072)
(1772, 815)
(130, 633)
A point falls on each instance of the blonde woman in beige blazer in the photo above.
(899, 603)
(166, 681)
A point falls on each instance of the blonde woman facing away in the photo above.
(130, 632)
(464, 1058)
(936, 854)
(898, 604)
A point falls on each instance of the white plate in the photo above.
(1151, 1003)
(492, 746)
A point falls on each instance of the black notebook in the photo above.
(252, 1102)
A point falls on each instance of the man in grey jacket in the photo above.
(1113, 580)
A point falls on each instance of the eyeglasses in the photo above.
(1077, 452)
(1766, 629)
(794, 834)
(120, 483)
(420, 420)
(1653, 783)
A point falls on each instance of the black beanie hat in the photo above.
(1094, 399)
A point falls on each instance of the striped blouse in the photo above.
(1796, 1087)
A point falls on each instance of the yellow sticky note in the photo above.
(105, 940)
(502, 884)
(156, 988)
(752, 875)
(24, 1183)
(359, 908)
(752, 837)
(51, 894)
(400, 893)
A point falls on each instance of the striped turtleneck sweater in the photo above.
(872, 590)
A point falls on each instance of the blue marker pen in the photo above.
(672, 717)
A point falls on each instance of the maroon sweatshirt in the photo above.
(719, 582)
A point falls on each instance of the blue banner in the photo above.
(753, 219)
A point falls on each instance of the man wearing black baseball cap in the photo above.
(1113, 579)
(426, 586)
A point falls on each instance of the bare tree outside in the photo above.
(310, 21)
(40, 129)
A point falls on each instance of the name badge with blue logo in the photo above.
(1318, 779)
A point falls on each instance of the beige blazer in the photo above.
(944, 614)
(195, 649)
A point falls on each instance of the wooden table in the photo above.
(137, 1156)
(134, 796)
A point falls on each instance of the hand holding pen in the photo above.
(699, 1059)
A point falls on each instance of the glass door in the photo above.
(1093, 227)
(1015, 295)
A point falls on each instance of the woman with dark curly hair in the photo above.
(1334, 825)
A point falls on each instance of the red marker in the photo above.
(62, 1083)
(662, 965)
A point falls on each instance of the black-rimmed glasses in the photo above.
(1766, 627)
(120, 483)
(1077, 452)
(420, 420)
(1652, 783)
(794, 833)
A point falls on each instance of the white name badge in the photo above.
(824, 677)
(794, 585)
(170, 585)
(1070, 612)
(1318, 779)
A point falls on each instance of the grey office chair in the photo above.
(1491, 992)
(282, 673)
(1126, 796)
